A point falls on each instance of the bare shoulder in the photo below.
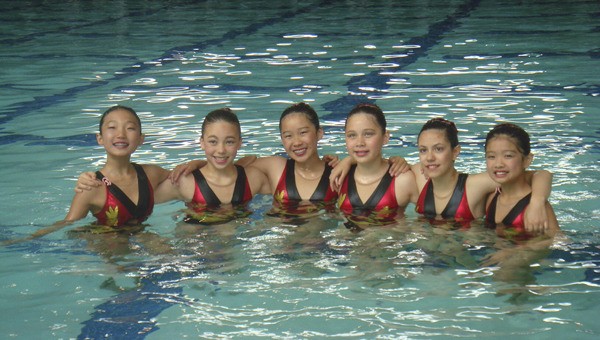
(155, 173)
(270, 161)
(482, 181)
(406, 177)
(418, 174)
(271, 166)
(153, 169)
(258, 181)
(252, 172)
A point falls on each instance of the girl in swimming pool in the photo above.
(125, 197)
(369, 187)
(213, 191)
(508, 155)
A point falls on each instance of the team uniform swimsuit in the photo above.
(381, 208)
(205, 203)
(118, 209)
(514, 221)
(287, 201)
(457, 207)
(287, 191)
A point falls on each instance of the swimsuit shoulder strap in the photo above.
(490, 214)
(209, 195)
(144, 195)
(516, 210)
(456, 198)
(322, 187)
(239, 191)
(352, 193)
(429, 202)
(290, 180)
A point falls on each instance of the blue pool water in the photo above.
(475, 62)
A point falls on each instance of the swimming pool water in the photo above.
(475, 62)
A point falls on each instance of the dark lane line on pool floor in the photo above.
(170, 55)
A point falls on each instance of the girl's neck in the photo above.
(219, 175)
(117, 166)
(367, 172)
(313, 162)
(446, 181)
(312, 167)
(517, 188)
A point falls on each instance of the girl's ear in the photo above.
(455, 152)
(143, 137)
(528, 160)
(386, 137)
(99, 139)
(320, 134)
(201, 143)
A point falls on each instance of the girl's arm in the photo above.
(336, 178)
(398, 166)
(185, 169)
(262, 163)
(259, 183)
(87, 181)
(169, 191)
(536, 215)
(80, 206)
(331, 160)
(406, 189)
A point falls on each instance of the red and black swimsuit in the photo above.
(384, 196)
(205, 196)
(118, 209)
(457, 207)
(287, 191)
(380, 209)
(514, 220)
(287, 201)
(204, 206)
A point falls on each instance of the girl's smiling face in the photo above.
(121, 133)
(436, 153)
(364, 138)
(299, 136)
(220, 142)
(504, 160)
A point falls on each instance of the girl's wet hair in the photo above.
(119, 107)
(304, 108)
(225, 114)
(447, 126)
(370, 109)
(511, 130)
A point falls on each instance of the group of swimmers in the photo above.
(123, 193)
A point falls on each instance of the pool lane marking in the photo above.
(168, 56)
(341, 106)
